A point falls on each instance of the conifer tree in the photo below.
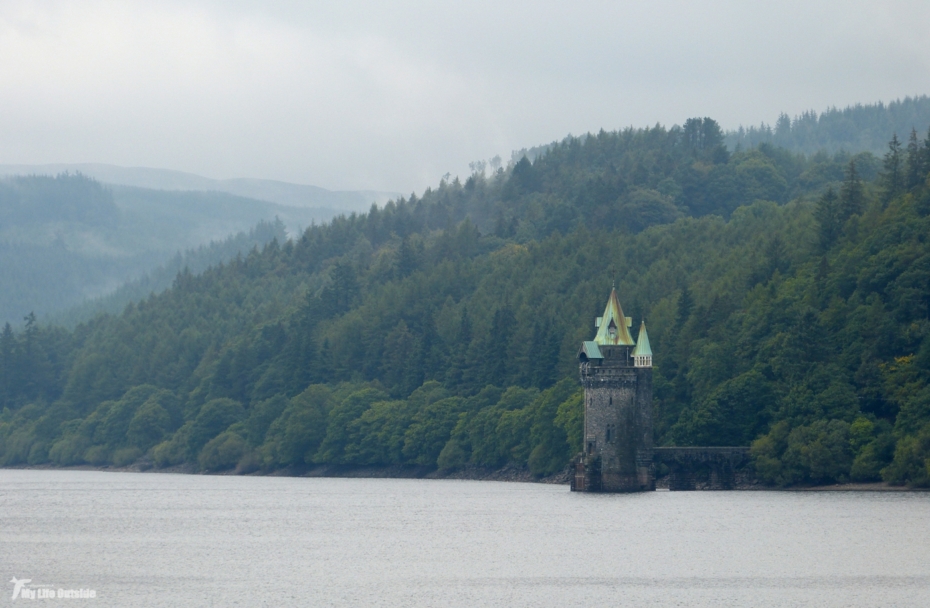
(497, 347)
(852, 194)
(340, 295)
(685, 306)
(913, 172)
(925, 157)
(544, 355)
(892, 176)
(458, 369)
(827, 214)
(408, 257)
(7, 353)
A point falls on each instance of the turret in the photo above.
(642, 354)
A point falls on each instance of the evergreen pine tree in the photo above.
(408, 258)
(892, 177)
(458, 371)
(325, 369)
(7, 377)
(28, 364)
(827, 214)
(497, 348)
(431, 358)
(925, 158)
(914, 174)
(685, 306)
(544, 355)
(852, 194)
(339, 296)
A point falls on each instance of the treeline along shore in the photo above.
(787, 298)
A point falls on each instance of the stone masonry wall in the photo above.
(618, 422)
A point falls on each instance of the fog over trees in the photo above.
(69, 239)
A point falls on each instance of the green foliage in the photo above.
(223, 452)
(641, 208)
(215, 417)
(570, 417)
(442, 331)
(453, 455)
(149, 425)
(816, 453)
(295, 436)
(911, 463)
(125, 456)
(874, 445)
(548, 440)
(733, 414)
(262, 416)
(350, 408)
(173, 451)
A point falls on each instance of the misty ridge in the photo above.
(270, 191)
(852, 130)
(858, 128)
(68, 239)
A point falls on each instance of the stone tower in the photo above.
(616, 374)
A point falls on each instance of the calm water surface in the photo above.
(189, 540)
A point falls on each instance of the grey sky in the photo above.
(390, 96)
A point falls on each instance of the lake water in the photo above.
(173, 540)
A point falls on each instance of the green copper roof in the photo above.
(642, 343)
(613, 328)
(591, 351)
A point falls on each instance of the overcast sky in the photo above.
(392, 95)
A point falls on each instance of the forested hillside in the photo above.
(787, 299)
(68, 239)
(156, 280)
(865, 128)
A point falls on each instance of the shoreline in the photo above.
(508, 473)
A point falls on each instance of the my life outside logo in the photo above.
(23, 590)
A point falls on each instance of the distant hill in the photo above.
(69, 238)
(858, 128)
(283, 193)
(157, 280)
(173, 220)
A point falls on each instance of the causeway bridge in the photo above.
(703, 468)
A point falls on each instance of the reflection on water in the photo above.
(169, 540)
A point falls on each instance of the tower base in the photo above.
(590, 475)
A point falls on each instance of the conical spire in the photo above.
(613, 326)
(642, 342)
(642, 354)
